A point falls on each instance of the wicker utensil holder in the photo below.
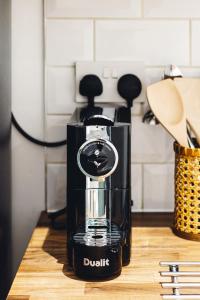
(187, 192)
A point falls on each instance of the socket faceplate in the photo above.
(109, 73)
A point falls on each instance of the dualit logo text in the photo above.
(103, 262)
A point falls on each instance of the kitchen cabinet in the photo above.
(19, 207)
(5, 145)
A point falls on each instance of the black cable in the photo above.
(53, 217)
(36, 141)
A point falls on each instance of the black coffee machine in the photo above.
(99, 185)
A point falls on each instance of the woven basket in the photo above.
(187, 192)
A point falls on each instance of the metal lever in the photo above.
(174, 273)
(179, 263)
(191, 297)
(184, 285)
(177, 274)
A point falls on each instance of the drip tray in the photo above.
(97, 253)
(96, 260)
(99, 236)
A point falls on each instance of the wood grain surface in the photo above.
(43, 273)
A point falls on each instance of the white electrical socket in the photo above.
(109, 73)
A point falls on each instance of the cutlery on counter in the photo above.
(167, 105)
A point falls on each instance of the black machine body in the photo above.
(98, 191)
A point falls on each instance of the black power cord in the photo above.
(53, 216)
(34, 140)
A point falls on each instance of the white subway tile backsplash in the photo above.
(191, 72)
(136, 186)
(156, 74)
(60, 90)
(172, 8)
(68, 41)
(150, 143)
(109, 31)
(56, 130)
(158, 187)
(140, 40)
(195, 43)
(92, 8)
(137, 109)
(56, 187)
(56, 127)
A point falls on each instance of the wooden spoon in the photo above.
(189, 89)
(167, 105)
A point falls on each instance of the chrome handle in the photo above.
(191, 297)
(175, 285)
(179, 285)
(177, 274)
(179, 263)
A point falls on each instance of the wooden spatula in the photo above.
(189, 89)
(167, 105)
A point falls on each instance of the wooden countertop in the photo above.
(43, 274)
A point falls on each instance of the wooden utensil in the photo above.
(189, 89)
(167, 105)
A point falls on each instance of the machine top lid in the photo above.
(101, 115)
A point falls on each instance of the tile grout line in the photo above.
(44, 98)
(142, 9)
(190, 42)
(94, 40)
(142, 202)
(71, 66)
(140, 18)
(59, 115)
(57, 163)
(137, 164)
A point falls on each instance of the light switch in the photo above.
(114, 73)
(106, 73)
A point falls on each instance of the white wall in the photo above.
(157, 32)
(28, 164)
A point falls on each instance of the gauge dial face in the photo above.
(97, 158)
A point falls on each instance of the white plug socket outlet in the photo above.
(109, 73)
